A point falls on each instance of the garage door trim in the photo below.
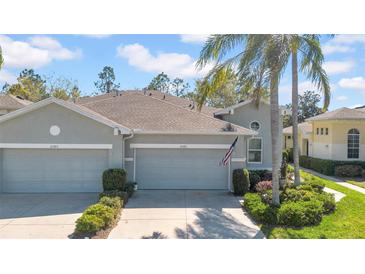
(135, 146)
(56, 146)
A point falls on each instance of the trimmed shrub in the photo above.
(113, 202)
(89, 224)
(263, 186)
(295, 195)
(290, 169)
(290, 154)
(301, 213)
(348, 171)
(328, 200)
(316, 185)
(260, 211)
(241, 181)
(101, 211)
(326, 167)
(258, 175)
(114, 179)
(254, 179)
(122, 195)
(129, 188)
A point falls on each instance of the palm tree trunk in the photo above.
(275, 131)
(295, 116)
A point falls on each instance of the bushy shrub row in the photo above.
(258, 175)
(348, 171)
(114, 179)
(99, 216)
(326, 167)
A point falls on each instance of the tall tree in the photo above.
(160, 82)
(30, 86)
(106, 82)
(61, 87)
(178, 87)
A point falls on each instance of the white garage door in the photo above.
(180, 169)
(44, 170)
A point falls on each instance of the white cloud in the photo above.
(355, 83)
(303, 87)
(97, 36)
(38, 52)
(342, 43)
(335, 67)
(193, 38)
(341, 98)
(7, 77)
(174, 64)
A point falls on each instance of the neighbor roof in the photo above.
(305, 127)
(238, 105)
(8, 101)
(340, 114)
(151, 114)
(179, 101)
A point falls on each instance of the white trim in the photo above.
(229, 109)
(134, 164)
(261, 150)
(128, 159)
(152, 132)
(56, 146)
(182, 146)
(238, 160)
(71, 106)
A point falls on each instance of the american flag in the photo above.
(228, 155)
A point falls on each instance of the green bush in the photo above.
(113, 202)
(89, 224)
(285, 155)
(301, 213)
(295, 195)
(316, 185)
(290, 169)
(258, 175)
(328, 200)
(241, 181)
(260, 211)
(326, 167)
(122, 195)
(114, 179)
(290, 155)
(105, 213)
(254, 180)
(348, 171)
(263, 186)
(129, 188)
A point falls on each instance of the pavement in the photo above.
(184, 214)
(41, 216)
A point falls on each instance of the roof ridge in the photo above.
(199, 112)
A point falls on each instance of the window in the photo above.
(326, 130)
(317, 131)
(255, 125)
(321, 130)
(254, 150)
(353, 144)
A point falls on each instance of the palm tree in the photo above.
(1, 58)
(260, 64)
(311, 58)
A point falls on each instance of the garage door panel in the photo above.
(180, 169)
(42, 170)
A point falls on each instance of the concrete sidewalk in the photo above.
(184, 214)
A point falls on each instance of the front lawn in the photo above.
(347, 222)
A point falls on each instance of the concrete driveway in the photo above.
(184, 214)
(41, 216)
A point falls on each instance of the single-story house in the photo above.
(334, 135)
(161, 140)
(10, 103)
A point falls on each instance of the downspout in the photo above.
(123, 146)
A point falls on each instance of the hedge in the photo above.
(241, 181)
(323, 166)
(114, 179)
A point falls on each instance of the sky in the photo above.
(136, 59)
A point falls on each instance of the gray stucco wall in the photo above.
(33, 127)
(239, 152)
(246, 114)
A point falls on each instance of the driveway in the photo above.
(41, 216)
(184, 214)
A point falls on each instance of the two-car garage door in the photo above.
(180, 169)
(49, 170)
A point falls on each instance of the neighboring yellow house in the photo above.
(334, 135)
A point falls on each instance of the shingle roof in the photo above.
(8, 101)
(340, 114)
(179, 101)
(151, 114)
(305, 127)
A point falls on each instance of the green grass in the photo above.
(356, 183)
(347, 222)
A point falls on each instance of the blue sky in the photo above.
(137, 58)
